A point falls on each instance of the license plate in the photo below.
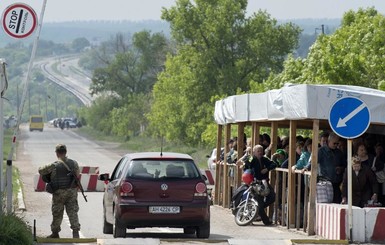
(164, 209)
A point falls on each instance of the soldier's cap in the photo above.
(60, 148)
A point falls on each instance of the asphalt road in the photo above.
(37, 148)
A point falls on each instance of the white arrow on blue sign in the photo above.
(349, 117)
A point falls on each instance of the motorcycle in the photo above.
(244, 202)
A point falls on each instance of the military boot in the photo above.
(54, 235)
(75, 234)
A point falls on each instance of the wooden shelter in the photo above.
(293, 107)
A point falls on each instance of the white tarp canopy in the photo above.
(295, 102)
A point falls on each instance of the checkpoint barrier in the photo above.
(210, 174)
(332, 223)
(88, 170)
(375, 221)
(88, 178)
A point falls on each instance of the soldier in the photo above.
(65, 192)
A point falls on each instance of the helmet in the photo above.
(262, 190)
(247, 177)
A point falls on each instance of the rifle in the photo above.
(78, 184)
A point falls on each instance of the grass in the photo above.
(142, 143)
(14, 230)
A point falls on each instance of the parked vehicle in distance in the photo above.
(154, 189)
(36, 123)
(212, 159)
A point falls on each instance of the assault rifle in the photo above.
(78, 184)
(76, 180)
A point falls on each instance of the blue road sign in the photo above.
(349, 117)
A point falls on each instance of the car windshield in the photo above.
(155, 169)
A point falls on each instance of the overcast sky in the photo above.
(67, 10)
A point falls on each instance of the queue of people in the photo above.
(368, 172)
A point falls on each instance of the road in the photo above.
(37, 148)
(65, 72)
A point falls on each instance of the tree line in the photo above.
(168, 87)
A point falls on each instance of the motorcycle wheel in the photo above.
(246, 214)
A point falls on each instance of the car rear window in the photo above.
(36, 119)
(183, 169)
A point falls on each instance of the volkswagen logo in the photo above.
(164, 187)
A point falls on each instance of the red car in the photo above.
(154, 189)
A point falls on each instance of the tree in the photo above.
(220, 51)
(132, 70)
(353, 55)
(80, 43)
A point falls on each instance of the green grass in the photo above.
(141, 143)
(14, 230)
(8, 134)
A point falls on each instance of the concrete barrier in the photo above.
(88, 170)
(332, 222)
(89, 182)
(375, 225)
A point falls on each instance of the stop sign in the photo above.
(19, 20)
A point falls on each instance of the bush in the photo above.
(14, 230)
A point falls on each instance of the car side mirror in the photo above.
(104, 177)
(204, 177)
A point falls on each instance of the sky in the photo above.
(137, 10)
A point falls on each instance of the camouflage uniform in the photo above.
(64, 195)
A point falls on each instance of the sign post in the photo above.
(19, 20)
(349, 118)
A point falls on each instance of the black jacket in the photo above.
(257, 165)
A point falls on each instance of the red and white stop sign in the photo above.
(19, 20)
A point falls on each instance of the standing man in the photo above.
(260, 166)
(65, 191)
(332, 164)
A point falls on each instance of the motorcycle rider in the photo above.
(260, 166)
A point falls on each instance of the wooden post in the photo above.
(217, 186)
(284, 209)
(226, 183)
(298, 210)
(255, 134)
(241, 147)
(291, 176)
(273, 136)
(313, 179)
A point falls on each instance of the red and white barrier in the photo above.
(375, 221)
(210, 174)
(89, 182)
(332, 222)
(38, 182)
(88, 170)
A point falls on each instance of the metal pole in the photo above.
(20, 112)
(2, 86)
(350, 212)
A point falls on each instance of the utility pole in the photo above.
(3, 82)
(23, 98)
